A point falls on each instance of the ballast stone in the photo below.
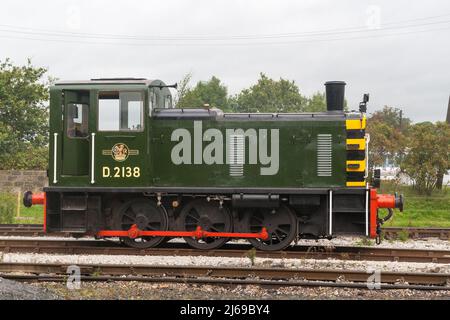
(13, 290)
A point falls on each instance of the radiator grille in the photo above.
(324, 155)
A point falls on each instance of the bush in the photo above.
(31, 158)
(7, 207)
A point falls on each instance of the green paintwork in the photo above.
(297, 155)
(74, 161)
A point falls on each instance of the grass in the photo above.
(364, 242)
(34, 215)
(7, 207)
(419, 210)
(8, 210)
(251, 254)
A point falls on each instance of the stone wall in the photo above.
(22, 180)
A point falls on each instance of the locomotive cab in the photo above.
(97, 115)
(101, 120)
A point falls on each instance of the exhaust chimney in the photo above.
(335, 91)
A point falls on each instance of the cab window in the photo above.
(168, 101)
(77, 120)
(120, 111)
(152, 101)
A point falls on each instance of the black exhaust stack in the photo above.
(335, 95)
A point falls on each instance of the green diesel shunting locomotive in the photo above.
(124, 162)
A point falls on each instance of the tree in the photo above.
(183, 88)
(393, 117)
(428, 154)
(441, 174)
(23, 116)
(317, 103)
(387, 136)
(211, 92)
(269, 95)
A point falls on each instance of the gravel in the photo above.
(430, 244)
(13, 290)
(426, 243)
(225, 261)
(133, 290)
(168, 291)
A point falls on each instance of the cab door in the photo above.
(120, 139)
(75, 136)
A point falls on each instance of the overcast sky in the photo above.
(398, 51)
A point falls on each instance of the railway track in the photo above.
(416, 233)
(389, 232)
(96, 247)
(46, 245)
(216, 275)
(26, 230)
(278, 277)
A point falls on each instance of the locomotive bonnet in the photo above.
(124, 162)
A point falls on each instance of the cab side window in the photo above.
(77, 120)
(120, 111)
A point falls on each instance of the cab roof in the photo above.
(100, 81)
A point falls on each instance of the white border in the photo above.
(92, 157)
(331, 212)
(55, 149)
(367, 212)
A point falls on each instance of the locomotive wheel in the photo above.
(210, 217)
(147, 216)
(280, 224)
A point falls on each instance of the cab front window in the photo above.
(168, 102)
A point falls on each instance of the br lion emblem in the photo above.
(120, 152)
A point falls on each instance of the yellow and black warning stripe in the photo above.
(356, 124)
(356, 152)
(356, 165)
(356, 144)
